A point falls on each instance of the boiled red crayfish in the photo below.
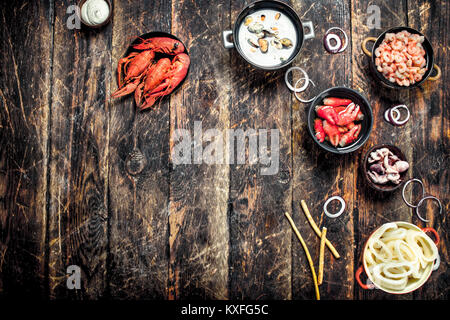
(148, 78)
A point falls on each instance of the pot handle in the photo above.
(434, 232)
(438, 73)
(364, 46)
(358, 279)
(311, 33)
(227, 44)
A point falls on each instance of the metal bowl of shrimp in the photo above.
(401, 58)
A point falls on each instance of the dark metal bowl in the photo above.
(284, 9)
(366, 123)
(429, 56)
(383, 187)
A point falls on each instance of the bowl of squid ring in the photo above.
(399, 258)
(401, 58)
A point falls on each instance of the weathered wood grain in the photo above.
(78, 166)
(89, 181)
(317, 174)
(199, 235)
(430, 136)
(260, 235)
(24, 116)
(375, 209)
(138, 170)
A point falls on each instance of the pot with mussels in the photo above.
(268, 34)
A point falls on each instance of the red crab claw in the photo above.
(161, 44)
(332, 132)
(318, 127)
(350, 136)
(335, 102)
(173, 78)
(327, 113)
(359, 117)
(348, 115)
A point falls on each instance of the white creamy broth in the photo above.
(284, 28)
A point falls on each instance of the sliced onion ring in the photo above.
(341, 210)
(421, 202)
(327, 43)
(345, 36)
(404, 188)
(395, 121)
(386, 115)
(303, 88)
(295, 92)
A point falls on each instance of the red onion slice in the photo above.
(404, 188)
(386, 115)
(343, 47)
(327, 43)
(295, 92)
(395, 121)
(341, 210)
(421, 202)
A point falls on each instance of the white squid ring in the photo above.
(303, 88)
(437, 263)
(341, 210)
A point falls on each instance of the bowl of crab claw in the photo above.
(340, 120)
(385, 167)
(401, 58)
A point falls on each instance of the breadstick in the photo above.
(317, 230)
(311, 265)
(321, 254)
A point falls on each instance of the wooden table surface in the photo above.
(88, 181)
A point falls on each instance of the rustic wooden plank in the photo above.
(317, 174)
(430, 139)
(24, 113)
(260, 235)
(138, 170)
(78, 200)
(199, 236)
(375, 209)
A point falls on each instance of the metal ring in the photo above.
(303, 88)
(404, 188)
(295, 92)
(341, 200)
(427, 198)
